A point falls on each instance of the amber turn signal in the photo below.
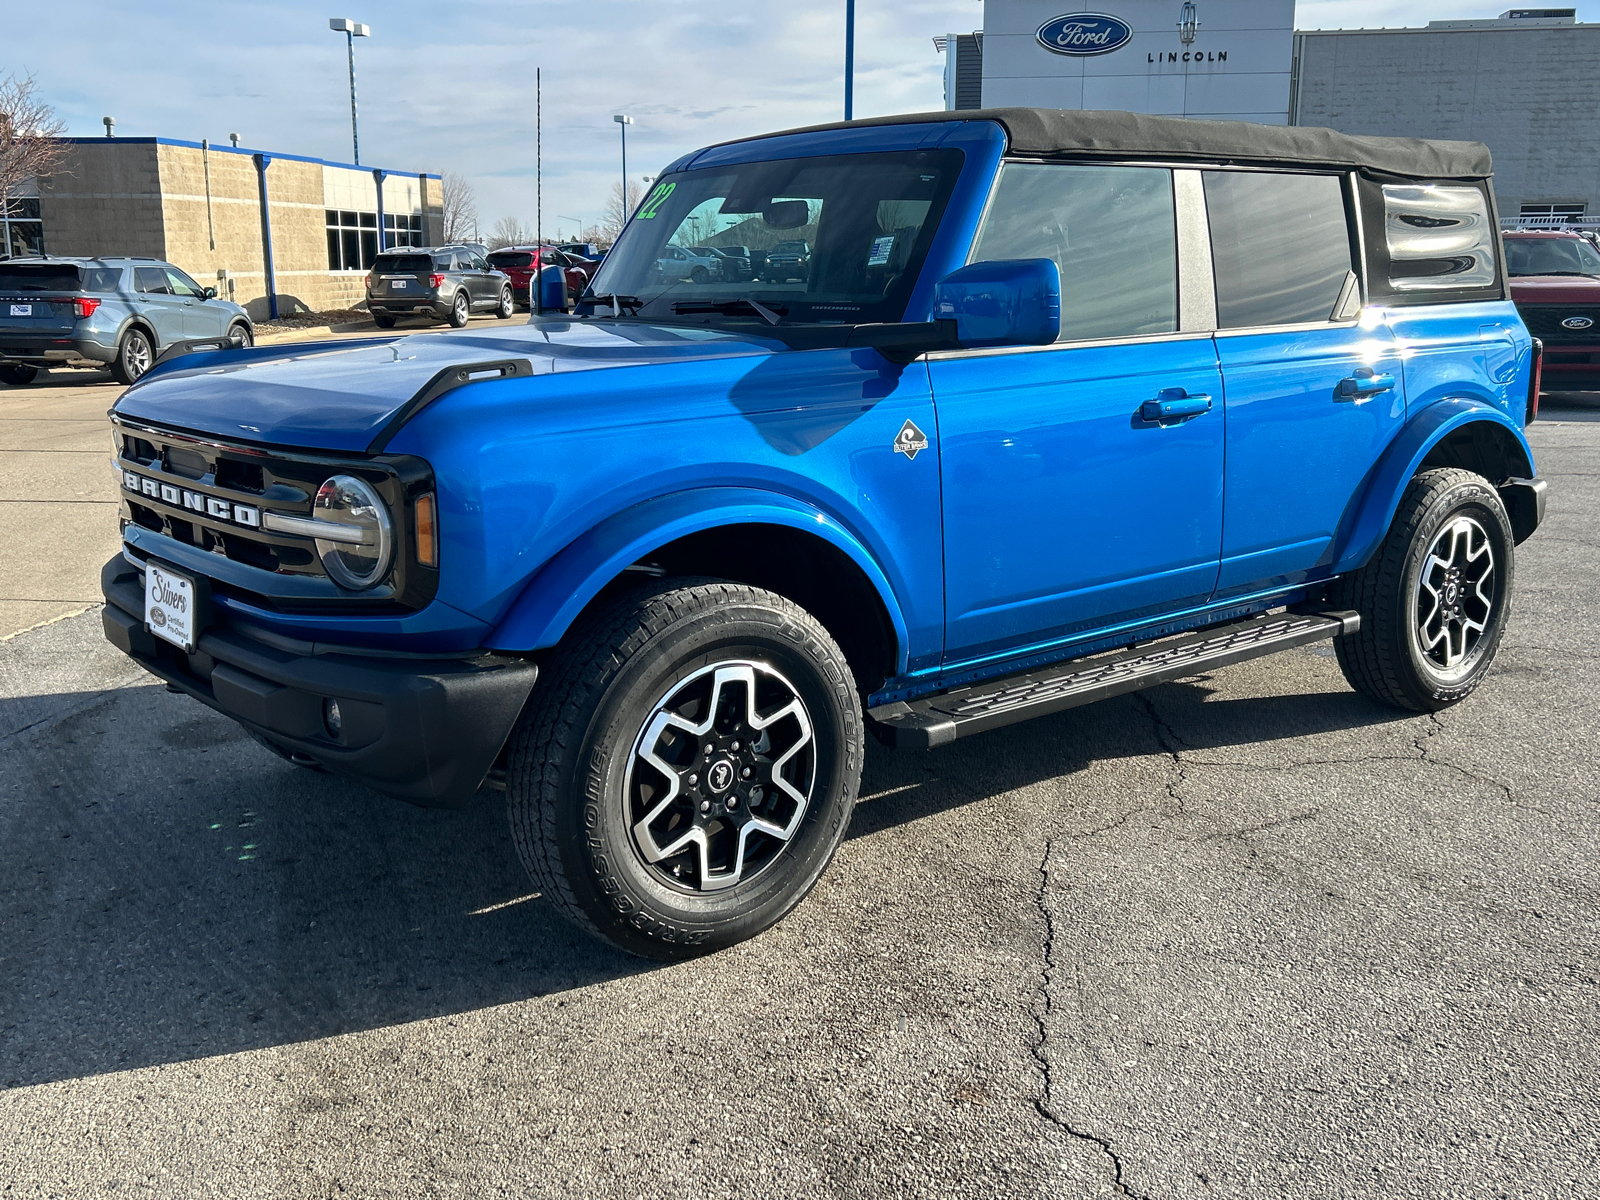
(427, 531)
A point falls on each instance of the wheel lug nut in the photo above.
(705, 806)
(733, 803)
(693, 779)
(734, 747)
(745, 774)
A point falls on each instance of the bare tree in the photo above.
(460, 208)
(616, 212)
(510, 231)
(30, 134)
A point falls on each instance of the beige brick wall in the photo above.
(127, 197)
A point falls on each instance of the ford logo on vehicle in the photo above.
(1577, 323)
(1083, 34)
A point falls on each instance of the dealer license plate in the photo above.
(22, 310)
(169, 606)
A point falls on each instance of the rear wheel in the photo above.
(699, 275)
(460, 309)
(17, 374)
(508, 304)
(135, 356)
(1434, 598)
(688, 767)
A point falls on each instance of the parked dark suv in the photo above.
(447, 283)
(1555, 281)
(122, 313)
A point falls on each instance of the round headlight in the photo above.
(358, 558)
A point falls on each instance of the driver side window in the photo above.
(1111, 231)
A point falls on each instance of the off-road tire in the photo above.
(507, 306)
(383, 320)
(460, 309)
(125, 367)
(18, 374)
(1383, 659)
(570, 753)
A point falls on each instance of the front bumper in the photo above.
(425, 730)
(1569, 368)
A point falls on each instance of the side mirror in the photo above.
(208, 293)
(552, 289)
(1011, 302)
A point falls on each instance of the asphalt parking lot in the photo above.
(1244, 935)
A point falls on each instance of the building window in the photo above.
(21, 230)
(352, 240)
(1549, 215)
(402, 230)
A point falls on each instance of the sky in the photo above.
(450, 86)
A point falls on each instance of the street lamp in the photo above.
(624, 122)
(351, 32)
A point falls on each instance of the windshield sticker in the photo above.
(657, 198)
(880, 251)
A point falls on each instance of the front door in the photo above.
(1313, 393)
(155, 301)
(1070, 507)
(201, 319)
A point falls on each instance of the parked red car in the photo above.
(520, 262)
(1555, 283)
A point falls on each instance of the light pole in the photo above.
(351, 32)
(849, 58)
(624, 122)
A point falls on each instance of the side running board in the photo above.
(936, 720)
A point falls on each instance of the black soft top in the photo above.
(1053, 131)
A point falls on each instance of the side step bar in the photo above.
(937, 720)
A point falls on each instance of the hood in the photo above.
(341, 396)
(1555, 289)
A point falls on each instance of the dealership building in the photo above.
(278, 233)
(1524, 83)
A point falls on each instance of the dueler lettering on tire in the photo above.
(688, 768)
(1435, 596)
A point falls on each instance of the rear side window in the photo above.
(150, 279)
(102, 279)
(1439, 237)
(1111, 231)
(404, 264)
(1280, 247)
(43, 277)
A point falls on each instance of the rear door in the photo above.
(156, 303)
(36, 301)
(1312, 394)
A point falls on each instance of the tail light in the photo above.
(84, 306)
(369, 281)
(427, 531)
(436, 281)
(1534, 380)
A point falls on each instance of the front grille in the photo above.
(1544, 322)
(214, 497)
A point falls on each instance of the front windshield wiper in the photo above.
(727, 308)
(618, 303)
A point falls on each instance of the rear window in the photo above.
(1280, 246)
(519, 259)
(1439, 237)
(38, 277)
(405, 264)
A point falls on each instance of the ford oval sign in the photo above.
(1577, 323)
(1083, 34)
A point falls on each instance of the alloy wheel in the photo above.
(1454, 600)
(720, 776)
(136, 356)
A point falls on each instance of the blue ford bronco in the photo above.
(1062, 405)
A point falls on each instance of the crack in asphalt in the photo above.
(1042, 1103)
(1435, 727)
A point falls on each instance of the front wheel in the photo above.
(1435, 596)
(688, 767)
(508, 304)
(460, 310)
(242, 334)
(17, 374)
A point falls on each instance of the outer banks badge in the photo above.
(910, 441)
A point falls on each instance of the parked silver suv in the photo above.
(445, 283)
(125, 313)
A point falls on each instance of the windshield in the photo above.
(860, 223)
(1551, 256)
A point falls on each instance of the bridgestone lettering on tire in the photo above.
(1435, 596)
(687, 766)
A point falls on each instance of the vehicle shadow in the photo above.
(173, 892)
